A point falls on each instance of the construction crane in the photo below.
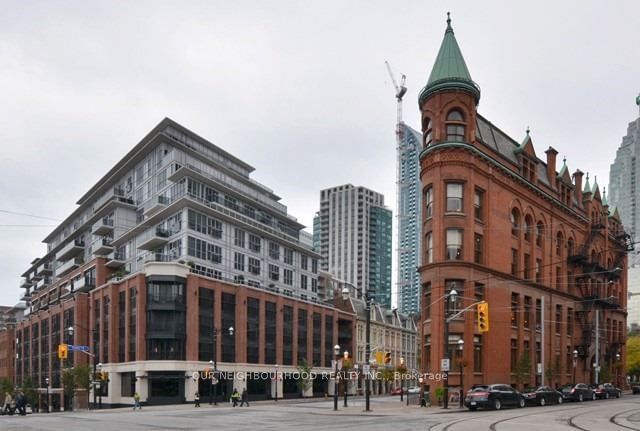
(402, 217)
(400, 91)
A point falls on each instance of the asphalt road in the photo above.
(388, 414)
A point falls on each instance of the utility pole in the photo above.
(597, 365)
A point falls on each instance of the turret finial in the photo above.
(449, 21)
(528, 130)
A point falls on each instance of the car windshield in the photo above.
(566, 388)
(529, 390)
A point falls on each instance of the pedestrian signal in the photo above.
(483, 317)
(387, 358)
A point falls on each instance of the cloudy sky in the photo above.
(297, 89)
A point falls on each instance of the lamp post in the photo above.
(213, 367)
(214, 362)
(367, 344)
(46, 382)
(336, 353)
(575, 363)
(449, 298)
(402, 366)
(276, 383)
(94, 333)
(99, 399)
(617, 367)
(421, 381)
(461, 350)
(346, 380)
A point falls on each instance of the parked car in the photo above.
(635, 389)
(606, 391)
(397, 391)
(493, 396)
(413, 390)
(578, 392)
(542, 395)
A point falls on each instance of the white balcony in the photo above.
(46, 281)
(103, 246)
(44, 269)
(68, 266)
(72, 248)
(25, 283)
(115, 260)
(158, 205)
(83, 284)
(104, 226)
(153, 238)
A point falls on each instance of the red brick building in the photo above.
(502, 225)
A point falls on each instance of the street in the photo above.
(388, 414)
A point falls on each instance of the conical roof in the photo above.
(587, 187)
(449, 71)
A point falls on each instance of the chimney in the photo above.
(551, 166)
(577, 181)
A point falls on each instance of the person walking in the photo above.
(136, 401)
(21, 403)
(196, 399)
(235, 396)
(245, 398)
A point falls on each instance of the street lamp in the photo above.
(46, 382)
(367, 344)
(100, 399)
(276, 383)
(94, 332)
(461, 348)
(575, 362)
(336, 353)
(449, 298)
(402, 366)
(214, 362)
(346, 380)
(617, 367)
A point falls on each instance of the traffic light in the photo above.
(483, 317)
(387, 358)
(63, 351)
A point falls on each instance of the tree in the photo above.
(522, 372)
(633, 355)
(6, 387)
(553, 371)
(304, 382)
(75, 378)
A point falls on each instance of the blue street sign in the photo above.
(81, 348)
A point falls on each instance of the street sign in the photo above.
(444, 364)
(539, 368)
(366, 369)
(81, 348)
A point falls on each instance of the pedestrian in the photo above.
(9, 406)
(245, 398)
(21, 403)
(136, 401)
(235, 396)
(196, 399)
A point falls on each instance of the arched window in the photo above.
(455, 126)
(539, 234)
(428, 201)
(427, 130)
(515, 222)
(528, 228)
(569, 247)
(559, 242)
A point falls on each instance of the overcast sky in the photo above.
(298, 89)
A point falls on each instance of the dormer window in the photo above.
(455, 126)
(528, 169)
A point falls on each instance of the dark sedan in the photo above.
(635, 389)
(578, 392)
(606, 391)
(542, 395)
(493, 396)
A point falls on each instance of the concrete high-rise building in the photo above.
(408, 214)
(174, 260)
(355, 238)
(624, 196)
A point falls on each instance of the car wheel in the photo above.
(542, 401)
(497, 404)
(606, 395)
(473, 409)
(580, 398)
(618, 395)
(521, 403)
(559, 399)
(593, 397)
